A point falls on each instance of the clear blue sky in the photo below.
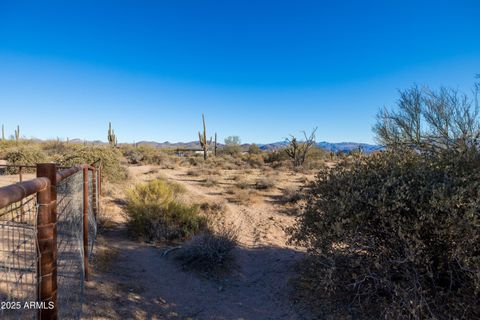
(257, 69)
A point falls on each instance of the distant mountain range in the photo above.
(329, 146)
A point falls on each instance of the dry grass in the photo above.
(104, 258)
(266, 183)
(241, 196)
(209, 253)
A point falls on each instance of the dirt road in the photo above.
(134, 281)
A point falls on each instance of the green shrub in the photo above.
(395, 236)
(110, 158)
(24, 155)
(156, 213)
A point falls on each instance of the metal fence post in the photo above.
(47, 243)
(85, 220)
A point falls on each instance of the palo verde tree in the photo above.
(298, 150)
(431, 121)
(202, 138)
(232, 145)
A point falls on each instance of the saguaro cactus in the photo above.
(215, 145)
(112, 138)
(3, 133)
(17, 133)
(202, 138)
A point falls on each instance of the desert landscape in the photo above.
(240, 160)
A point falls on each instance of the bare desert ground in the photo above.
(135, 280)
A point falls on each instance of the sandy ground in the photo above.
(133, 280)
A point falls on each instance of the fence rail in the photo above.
(47, 232)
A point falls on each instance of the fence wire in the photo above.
(18, 259)
(70, 258)
(92, 220)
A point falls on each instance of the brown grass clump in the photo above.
(210, 181)
(266, 183)
(291, 195)
(240, 196)
(209, 253)
(213, 209)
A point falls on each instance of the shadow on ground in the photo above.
(140, 283)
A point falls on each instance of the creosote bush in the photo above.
(395, 235)
(24, 155)
(110, 158)
(156, 212)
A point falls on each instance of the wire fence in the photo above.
(45, 244)
(18, 258)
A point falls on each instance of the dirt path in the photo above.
(134, 281)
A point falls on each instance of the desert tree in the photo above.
(254, 149)
(297, 150)
(430, 120)
(232, 145)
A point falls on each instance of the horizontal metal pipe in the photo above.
(61, 175)
(16, 192)
(17, 166)
(95, 162)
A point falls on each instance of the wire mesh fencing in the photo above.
(18, 258)
(70, 255)
(70, 243)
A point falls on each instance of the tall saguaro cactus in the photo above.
(215, 145)
(202, 138)
(17, 134)
(112, 138)
(3, 132)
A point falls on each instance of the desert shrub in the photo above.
(155, 212)
(209, 252)
(213, 209)
(27, 155)
(232, 145)
(239, 195)
(254, 149)
(133, 156)
(254, 160)
(292, 195)
(54, 148)
(265, 183)
(210, 181)
(395, 235)
(110, 158)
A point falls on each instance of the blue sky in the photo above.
(257, 69)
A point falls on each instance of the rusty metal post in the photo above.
(85, 220)
(94, 192)
(47, 243)
(20, 174)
